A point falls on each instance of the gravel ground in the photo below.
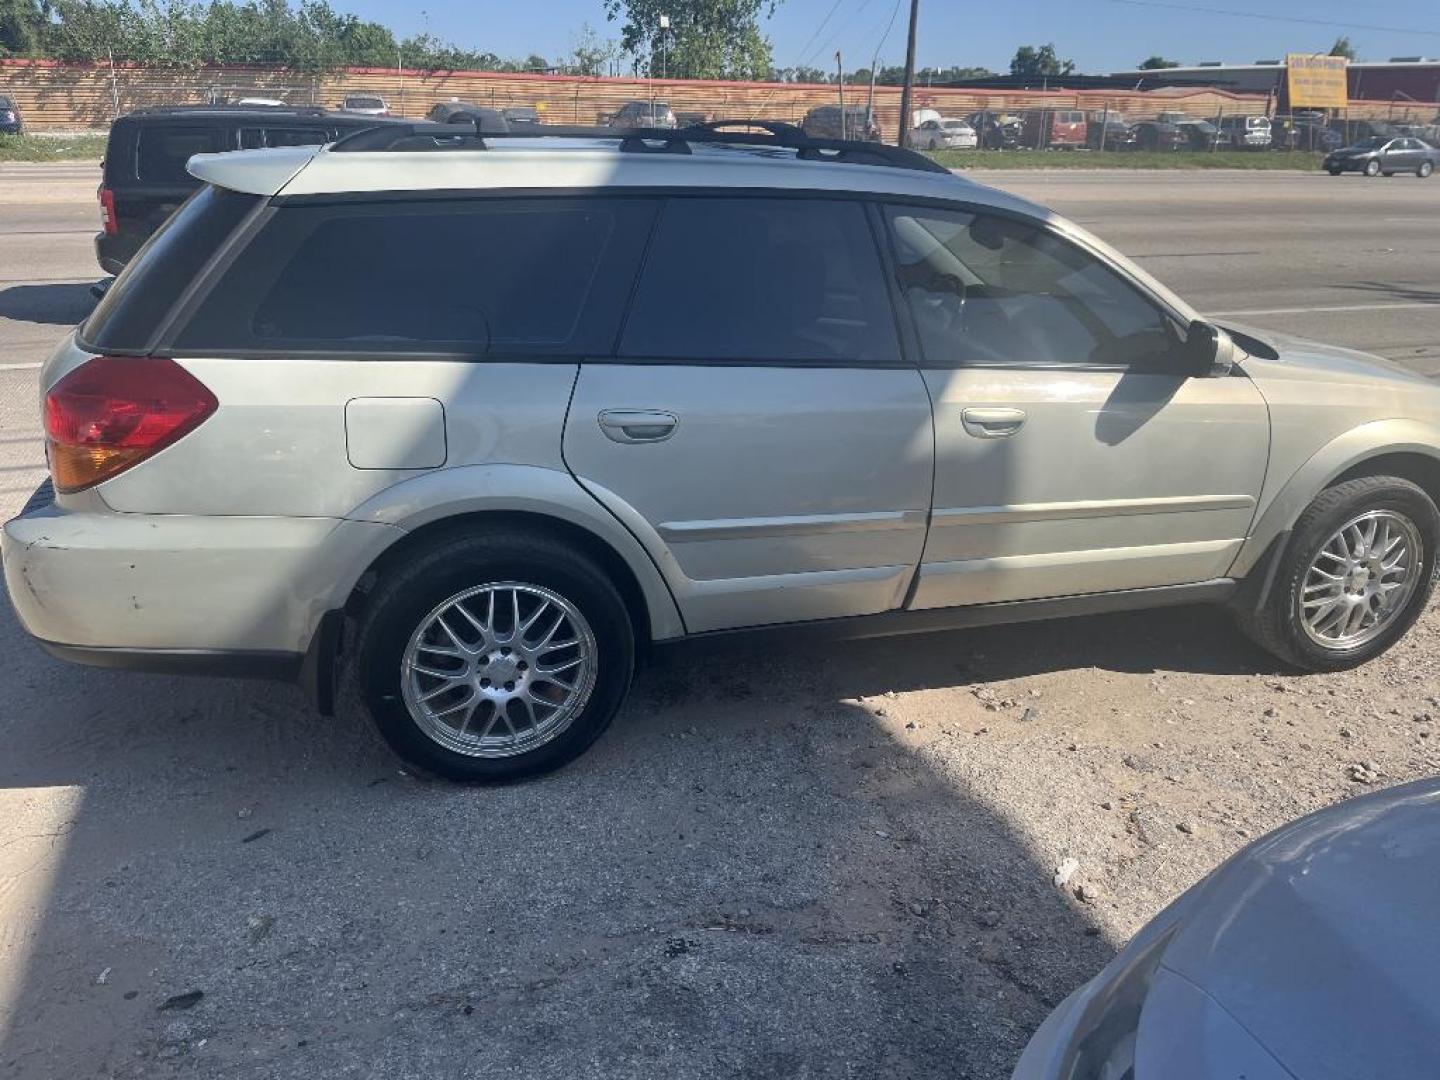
(780, 863)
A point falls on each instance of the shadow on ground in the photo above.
(748, 876)
(55, 305)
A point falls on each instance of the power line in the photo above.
(1276, 18)
(801, 52)
(885, 36)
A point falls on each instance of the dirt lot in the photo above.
(781, 863)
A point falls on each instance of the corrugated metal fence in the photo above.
(57, 97)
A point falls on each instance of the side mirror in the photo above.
(1206, 348)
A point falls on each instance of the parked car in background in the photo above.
(943, 134)
(1245, 132)
(486, 120)
(1059, 129)
(1200, 134)
(1380, 156)
(144, 178)
(410, 402)
(259, 103)
(365, 104)
(824, 122)
(1310, 954)
(996, 131)
(691, 119)
(1110, 131)
(521, 115)
(11, 122)
(643, 114)
(1159, 135)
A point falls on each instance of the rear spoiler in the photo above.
(254, 172)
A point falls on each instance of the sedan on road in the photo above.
(1378, 154)
(1311, 953)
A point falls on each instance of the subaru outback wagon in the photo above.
(482, 419)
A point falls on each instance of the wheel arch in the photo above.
(547, 500)
(1409, 449)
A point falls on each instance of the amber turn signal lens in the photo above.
(113, 412)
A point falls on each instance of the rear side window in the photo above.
(745, 280)
(478, 277)
(163, 152)
(135, 306)
(255, 138)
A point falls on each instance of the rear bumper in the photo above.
(114, 250)
(169, 592)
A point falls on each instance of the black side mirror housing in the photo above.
(1202, 348)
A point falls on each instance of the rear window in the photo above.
(475, 277)
(136, 305)
(163, 152)
(744, 280)
(364, 103)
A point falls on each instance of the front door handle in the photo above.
(638, 425)
(992, 423)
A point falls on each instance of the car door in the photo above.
(757, 427)
(1072, 456)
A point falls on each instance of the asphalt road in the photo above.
(821, 863)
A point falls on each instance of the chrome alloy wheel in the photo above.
(499, 670)
(1360, 580)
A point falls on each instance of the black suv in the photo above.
(144, 176)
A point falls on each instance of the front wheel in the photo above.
(1372, 168)
(1425, 169)
(494, 656)
(1358, 571)
(1333, 172)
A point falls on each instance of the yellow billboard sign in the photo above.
(1316, 81)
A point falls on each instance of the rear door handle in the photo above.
(638, 425)
(992, 423)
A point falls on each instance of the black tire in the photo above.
(1425, 169)
(1276, 626)
(405, 595)
(1333, 172)
(1372, 168)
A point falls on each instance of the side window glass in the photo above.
(757, 279)
(251, 138)
(296, 137)
(991, 291)
(485, 277)
(163, 152)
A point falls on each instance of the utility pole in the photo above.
(664, 53)
(909, 86)
(840, 77)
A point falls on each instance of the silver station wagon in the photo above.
(484, 418)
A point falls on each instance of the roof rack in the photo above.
(231, 107)
(430, 136)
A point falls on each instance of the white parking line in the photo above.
(1332, 307)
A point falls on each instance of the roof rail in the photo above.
(430, 136)
(267, 110)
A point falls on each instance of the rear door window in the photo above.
(163, 151)
(296, 136)
(481, 277)
(756, 279)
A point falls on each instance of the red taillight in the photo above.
(107, 210)
(113, 412)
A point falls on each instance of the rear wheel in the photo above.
(1372, 168)
(1333, 172)
(1425, 169)
(495, 656)
(1358, 571)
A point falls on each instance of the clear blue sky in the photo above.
(1099, 35)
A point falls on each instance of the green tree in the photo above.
(22, 25)
(1032, 61)
(1156, 63)
(707, 39)
(1342, 47)
(590, 54)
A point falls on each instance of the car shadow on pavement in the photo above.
(1395, 290)
(56, 305)
(760, 871)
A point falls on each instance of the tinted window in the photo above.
(762, 279)
(135, 305)
(296, 136)
(988, 290)
(163, 152)
(476, 277)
